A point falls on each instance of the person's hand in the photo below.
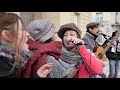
(109, 44)
(76, 40)
(44, 70)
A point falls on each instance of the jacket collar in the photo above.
(90, 35)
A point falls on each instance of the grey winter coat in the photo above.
(90, 42)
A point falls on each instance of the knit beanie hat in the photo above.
(69, 26)
(41, 30)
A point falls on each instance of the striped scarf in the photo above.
(8, 51)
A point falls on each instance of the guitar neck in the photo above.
(105, 49)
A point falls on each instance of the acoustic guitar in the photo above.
(100, 52)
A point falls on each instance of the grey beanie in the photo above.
(41, 30)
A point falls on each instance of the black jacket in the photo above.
(109, 54)
(5, 68)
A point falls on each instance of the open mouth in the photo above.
(69, 43)
(29, 39)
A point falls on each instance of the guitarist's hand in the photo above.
(109, 44)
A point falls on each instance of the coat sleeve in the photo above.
(5, 68)
(87, 45)
(94, 65)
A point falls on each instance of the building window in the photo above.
(107, 32)
(75, 19)
(76, 14)
(27, 17)
(99, 17)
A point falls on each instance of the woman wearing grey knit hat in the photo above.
(41, 30)
(45, 49)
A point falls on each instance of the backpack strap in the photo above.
(73, 71)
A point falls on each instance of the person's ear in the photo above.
(90, 29)
(6, 35)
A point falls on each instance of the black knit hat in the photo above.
(69, 26)
(92, 24)
(115, 33)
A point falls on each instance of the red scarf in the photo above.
(39, 57)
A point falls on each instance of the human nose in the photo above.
(27, 34)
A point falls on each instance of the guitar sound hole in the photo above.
(100, 56)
